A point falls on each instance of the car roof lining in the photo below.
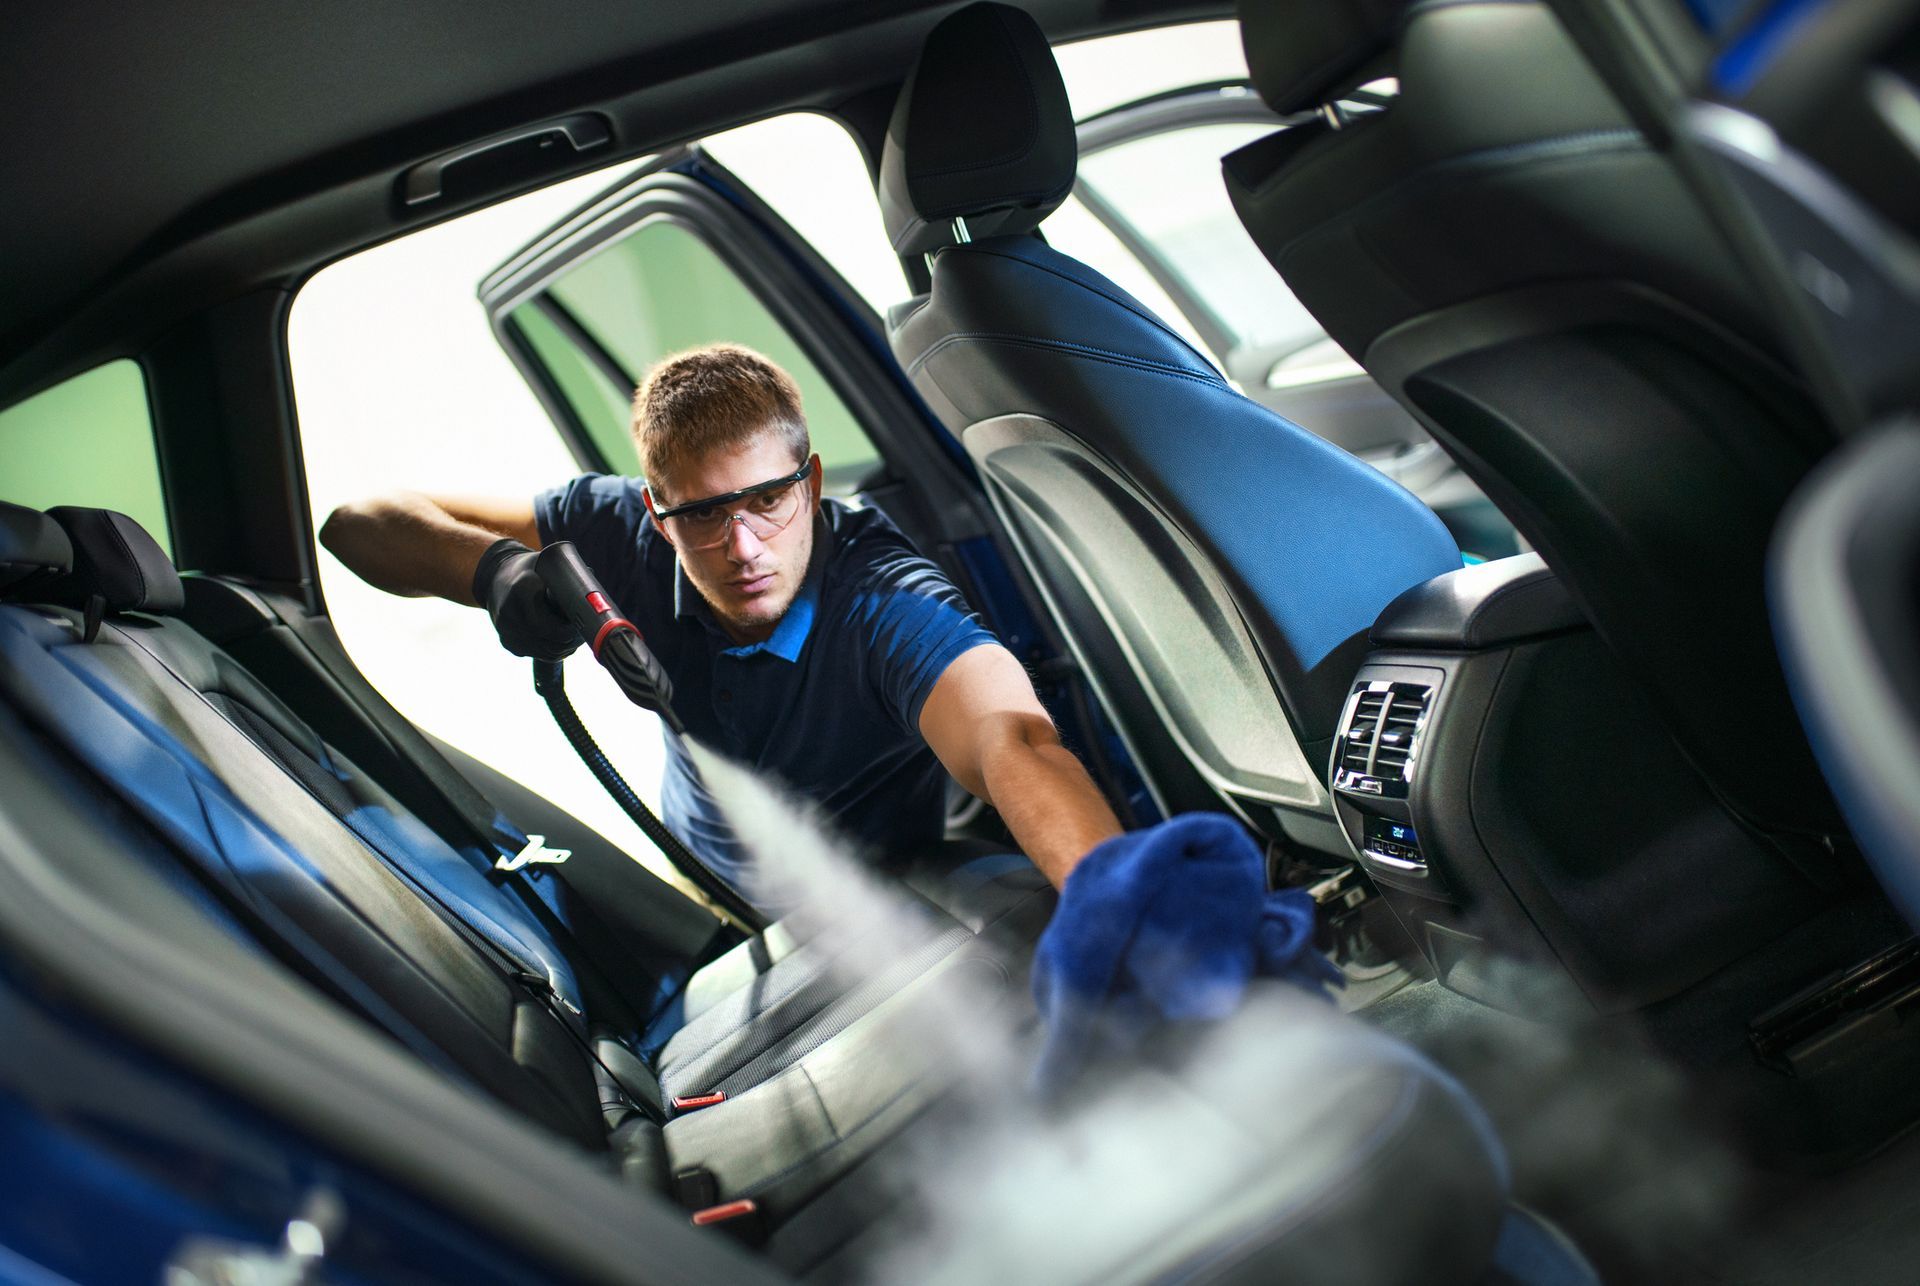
(160, 169)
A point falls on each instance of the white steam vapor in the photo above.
(1154, 1170)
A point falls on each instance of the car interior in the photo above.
(1539, 593)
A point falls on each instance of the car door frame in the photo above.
(934, 493)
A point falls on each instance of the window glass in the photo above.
(1168, 187)
(1108, 71)
(809, 169)
(88, 441)
(401, 385)
(661, 289)
(603, 408)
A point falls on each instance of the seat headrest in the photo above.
(30, 542)
(1302, 53)
(114, 557)
(981, 131)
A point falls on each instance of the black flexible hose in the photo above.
(550, 682)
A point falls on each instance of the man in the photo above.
(804, 638)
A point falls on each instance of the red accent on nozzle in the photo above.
(598, 602)
(618, 622)
(720, 1214)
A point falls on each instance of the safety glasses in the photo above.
(763, 509)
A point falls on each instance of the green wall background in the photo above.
(88, 441)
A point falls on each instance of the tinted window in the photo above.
(659, 290)
(88, 441)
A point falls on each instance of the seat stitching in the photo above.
(772, 1179)
(1079, 350)
(770, 1005)
(139, 573)
(1131, 305)
(1583, 142)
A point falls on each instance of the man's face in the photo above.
(749, 581)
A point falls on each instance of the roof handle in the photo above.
(504, 160)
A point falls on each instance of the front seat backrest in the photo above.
(1214, 567)
(1503, 251)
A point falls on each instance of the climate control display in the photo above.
(1393, 842)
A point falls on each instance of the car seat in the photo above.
(1508, 254)
(1213, 567)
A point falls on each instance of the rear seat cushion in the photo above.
(1311, 1149)
(738, 967)
(814, 990)
(786, 1137)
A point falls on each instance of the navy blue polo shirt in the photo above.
(828, 705)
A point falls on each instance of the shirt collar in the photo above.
(790, 634)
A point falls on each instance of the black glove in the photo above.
(507, 585)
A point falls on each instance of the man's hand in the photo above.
(990, 730)
(507, 583)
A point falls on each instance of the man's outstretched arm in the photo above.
(415, 544)
(989, 729)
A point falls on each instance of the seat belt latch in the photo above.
(692, 1102)
(535, 851)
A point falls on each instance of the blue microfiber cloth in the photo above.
(1163, 925)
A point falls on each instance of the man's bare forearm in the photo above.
(409, 544)
(1045, 797)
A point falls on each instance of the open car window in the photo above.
(599, 325)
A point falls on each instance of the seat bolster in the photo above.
(1018, 290)
(726, 974)
(1312, 543)
(784, 1139)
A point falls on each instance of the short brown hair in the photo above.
(713, 398)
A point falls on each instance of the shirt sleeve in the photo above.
(917, 623)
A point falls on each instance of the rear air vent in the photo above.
(1378, 738)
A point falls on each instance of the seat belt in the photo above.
(602, 884)
(34, 680)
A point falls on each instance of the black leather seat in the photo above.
(314, 864)
(1505, 252)
(328, 871)
(1213, 567)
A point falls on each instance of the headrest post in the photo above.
(1334, 115)
(961, 236)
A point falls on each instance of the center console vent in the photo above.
(1379, 738)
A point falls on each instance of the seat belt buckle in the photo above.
(693, 1102)
(695, 1188)
(725, 1213)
